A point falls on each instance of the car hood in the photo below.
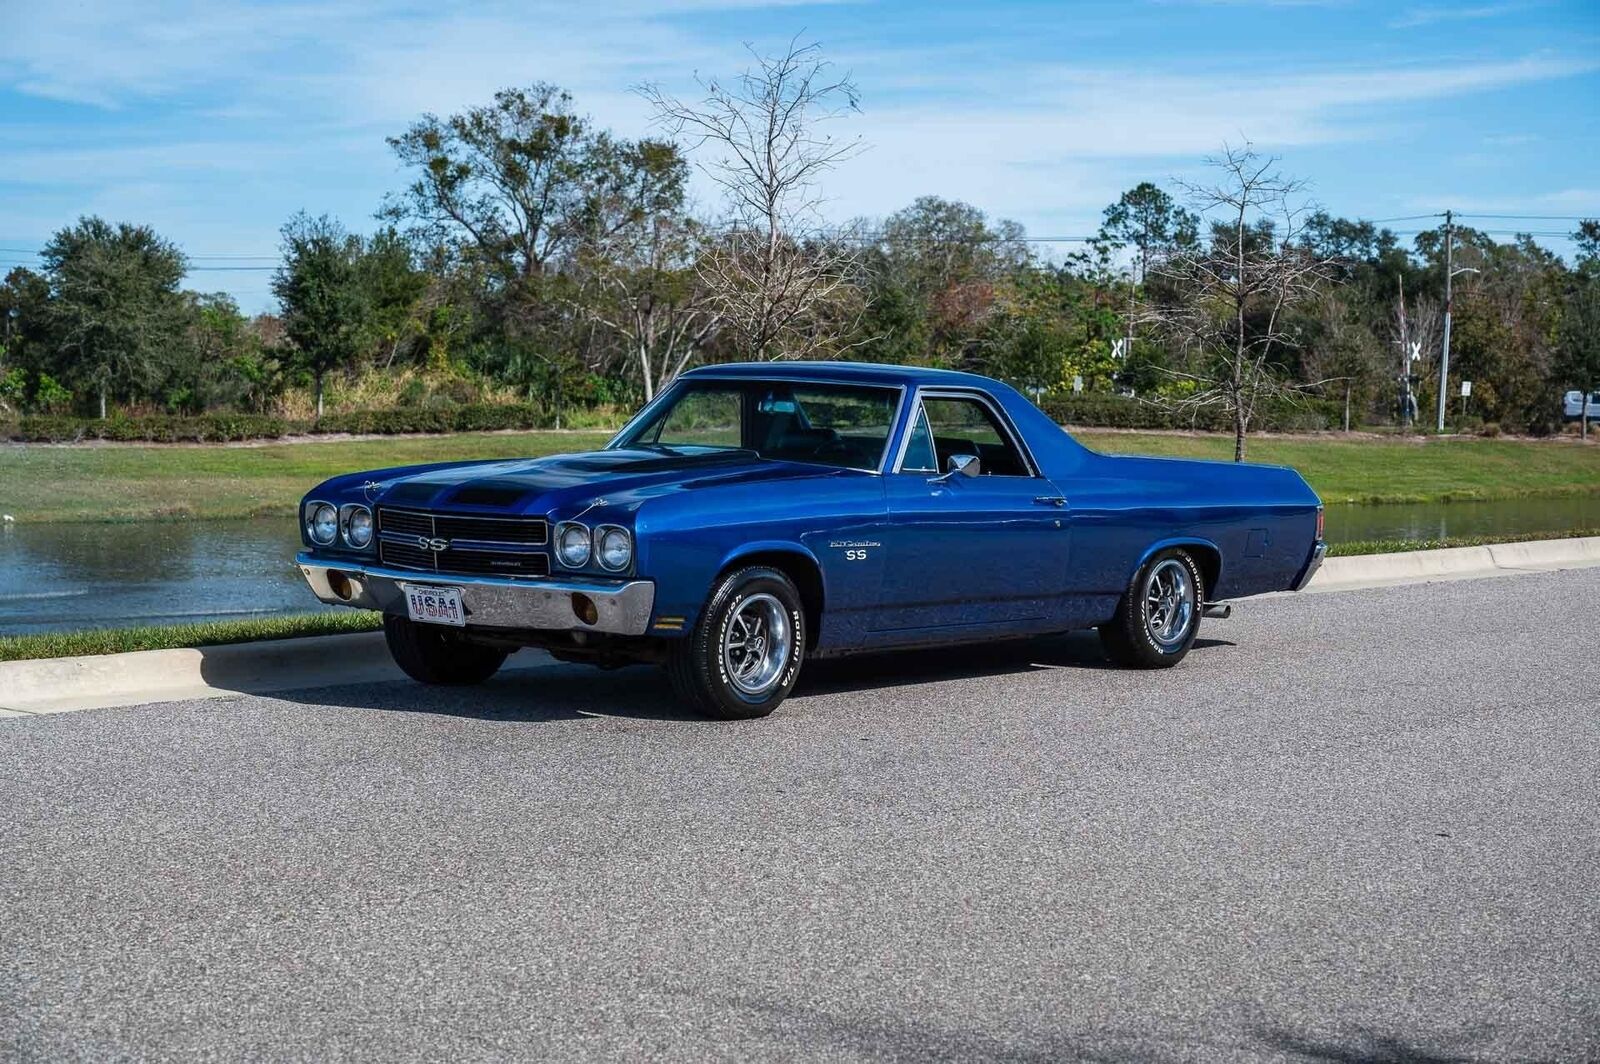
(622, 477)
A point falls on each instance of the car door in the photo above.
(982, 554)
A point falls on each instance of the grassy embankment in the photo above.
(169, 637)
(45, 483)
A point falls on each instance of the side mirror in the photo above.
(961, 465)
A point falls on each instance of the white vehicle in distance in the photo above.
(1572, 406)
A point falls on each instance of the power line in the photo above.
(1401, 218)
(1538, 217)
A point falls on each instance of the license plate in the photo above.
(434, 605)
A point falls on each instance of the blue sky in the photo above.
(215, 121)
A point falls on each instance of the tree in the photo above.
(1227, 311)
(1577, 360)
(637, 267)
(949, 262)
(392, 291)
(778, 280)
(1587, 237)
(319, 288)
(29, 352)
(644, 285)
(504, 179)
(114, 309)
(1152, 223)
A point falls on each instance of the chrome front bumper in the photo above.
(491, 601)
(1318, 552)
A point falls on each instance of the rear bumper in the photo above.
(621, 607)
(1318, 553)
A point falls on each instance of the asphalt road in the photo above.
(1350, 827)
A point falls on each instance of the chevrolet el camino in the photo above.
(754, 516)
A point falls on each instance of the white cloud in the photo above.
(1564, 202)
(1428, 16)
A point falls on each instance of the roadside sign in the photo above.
(1466, 389)
(1077, 383)
(1119, 347)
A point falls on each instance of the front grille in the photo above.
(404, 521)
(476, 545)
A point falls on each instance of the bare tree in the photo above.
(1226, 308)
(644, 285)
(774, 275)
(1416, 330)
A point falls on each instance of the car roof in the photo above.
(845, 373)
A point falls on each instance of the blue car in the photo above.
(754, 516)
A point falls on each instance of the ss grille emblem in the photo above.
(433, 544)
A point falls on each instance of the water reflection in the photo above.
(56, 577)
(1437, 520)
(66, 576)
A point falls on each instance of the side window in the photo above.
(919, 448)
(966, 426)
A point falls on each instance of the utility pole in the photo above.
(1449, 274)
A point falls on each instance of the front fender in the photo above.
(771, 546)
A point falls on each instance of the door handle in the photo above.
(1050, 500)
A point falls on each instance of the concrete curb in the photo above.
(1455, 563)
(56, 685)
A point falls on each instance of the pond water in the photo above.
(59, 577)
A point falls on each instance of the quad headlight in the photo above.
(322, 523)
(358, 526)
(573, 543)
(615, 549)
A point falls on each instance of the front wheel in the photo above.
(433, 655)
(1159, 615)
(743, 657)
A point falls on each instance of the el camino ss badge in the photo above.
(433, 544)
(855, 550)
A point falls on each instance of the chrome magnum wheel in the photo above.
(757, 643)
(1169, 603)
(744, 654)
(1159, 615)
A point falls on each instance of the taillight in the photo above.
(1319, 522)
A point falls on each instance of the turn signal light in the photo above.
(1319, 522)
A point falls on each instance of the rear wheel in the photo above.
(743, 657)
(1159, 615)
(431, 654)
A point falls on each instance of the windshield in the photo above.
(830, 424)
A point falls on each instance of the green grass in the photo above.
(1395, 546)
(44, 483)
(1369, 470)
(212, 633)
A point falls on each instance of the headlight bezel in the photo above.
(598, 547)
(561, 540)
(309, 522)
(347, 517)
